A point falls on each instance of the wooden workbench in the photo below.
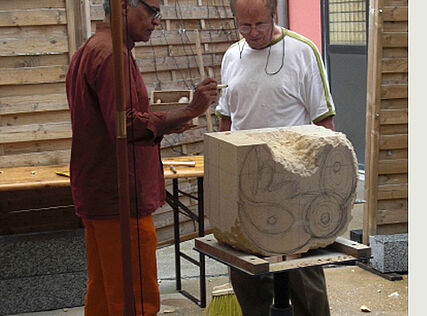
(25, 178)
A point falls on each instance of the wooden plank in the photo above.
(395, 65)
(17, 201)
(44, 45)
(34, 61)
(32, 178)
(393, 191)
(391, 276)
(400, 228)
(247, 262)
(393, 166)
(352, 248)
(56, 30)
(317, 257)
(394, 204)
(396, 178)
(174, 37)
(33, 17)
(395, 39)
(393, 142)
(33, 4)
(37, 147)
(40, 221)
(178, 12)
(394, 129)
(394, 116)
(396, 26)
(35, 132)
(36, 159)
(394, 91)
(395, 52)
(375, 46)
(390, 3)
(34, 89)
(20, 76)
(39, 117)
(392, 217)
(33, 103)
(176, 63)
(394, 79)
(253, 264)
(395, 13)
(394, 103)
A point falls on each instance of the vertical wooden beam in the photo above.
(206, 45)
(203, 76)
(71, 27)
(85, 20)
(373, 105)
(170, 47)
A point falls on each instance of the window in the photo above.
(347, 22)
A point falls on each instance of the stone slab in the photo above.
(389, 252)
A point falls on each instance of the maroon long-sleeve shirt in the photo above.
(93, 165)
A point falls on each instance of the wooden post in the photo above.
(202, 75)
(71, 28)
(85, 19)
(372, 120)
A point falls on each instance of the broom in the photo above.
(224, 302)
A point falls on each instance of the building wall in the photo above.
(305, 19)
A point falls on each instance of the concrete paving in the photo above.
(349, 287)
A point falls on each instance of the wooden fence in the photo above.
(386, 178)
(38, 38)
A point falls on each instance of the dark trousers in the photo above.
(307, 291)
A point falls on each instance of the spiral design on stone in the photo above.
(324, 216)
(337, 175)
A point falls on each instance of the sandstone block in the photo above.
(279, 190)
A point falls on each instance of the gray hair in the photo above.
(271, 4)
(107, 7)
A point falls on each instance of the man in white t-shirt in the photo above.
(275, 78)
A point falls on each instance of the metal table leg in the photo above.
(176, 204)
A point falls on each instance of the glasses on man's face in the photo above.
(155, 11)
(246, 29)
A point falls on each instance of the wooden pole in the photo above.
(122, 156)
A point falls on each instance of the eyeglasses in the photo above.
(246, 29)
(155, 11)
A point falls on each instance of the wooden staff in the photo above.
(122, 157)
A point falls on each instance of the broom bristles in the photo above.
(224, 302)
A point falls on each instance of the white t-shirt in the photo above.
(297, 95)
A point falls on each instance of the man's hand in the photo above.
(206, 93)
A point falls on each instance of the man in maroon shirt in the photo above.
(93, 163)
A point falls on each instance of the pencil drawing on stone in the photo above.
(295, 189)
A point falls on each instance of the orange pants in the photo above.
(104, 295)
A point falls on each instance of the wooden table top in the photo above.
(24, 178)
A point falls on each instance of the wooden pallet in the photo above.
(341, 251)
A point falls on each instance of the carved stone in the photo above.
(279, 190)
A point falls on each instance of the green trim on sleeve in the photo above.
(220, 115)
(322, 117)
(319, 64)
